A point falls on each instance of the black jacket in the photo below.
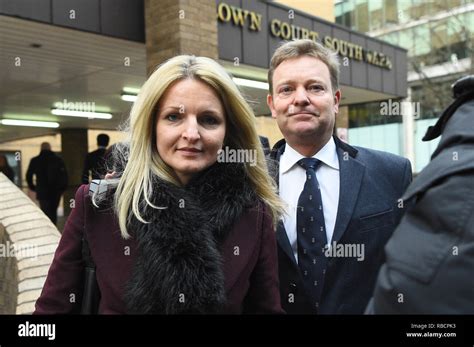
(8, 171)
(95, 163)
(51, 175)
(430, 257)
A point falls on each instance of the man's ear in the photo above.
(270, 105)
(337, 99)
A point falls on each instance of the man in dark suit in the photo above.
(95, 161)
(51, 180)
(342, 201)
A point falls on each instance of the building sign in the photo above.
(287, 31)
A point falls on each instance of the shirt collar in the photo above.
(326, 155)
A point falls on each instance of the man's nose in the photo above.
(191, 130)
(301, 97)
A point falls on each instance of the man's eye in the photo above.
(285, 90)
(315, 87)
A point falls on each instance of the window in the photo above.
(376, 14)
(421, 38)
(391, 38)
(403, 12)
(391, 12)
(369, 114)
(406, 40)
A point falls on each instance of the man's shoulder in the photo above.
(96, 155)
(57, 159)
(92, 154)
(369, 155)
(387, 164)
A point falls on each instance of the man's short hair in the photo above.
(298, 48)
(103, 140)
(45, 146)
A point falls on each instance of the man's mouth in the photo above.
(316, 114)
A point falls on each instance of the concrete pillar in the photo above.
(174, 27)
(74, 150)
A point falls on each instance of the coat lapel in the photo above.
(239, 246)
(274, 169)
(351, 172)
(283, 242)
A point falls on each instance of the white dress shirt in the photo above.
(292, 179)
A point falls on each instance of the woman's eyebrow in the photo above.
(162, 109)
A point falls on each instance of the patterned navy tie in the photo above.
(311, 233)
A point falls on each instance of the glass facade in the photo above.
(438, 35)
(370, 114)
(428, 42)
(433, 31)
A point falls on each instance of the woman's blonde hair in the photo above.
(135, 186)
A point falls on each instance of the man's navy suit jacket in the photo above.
(371, 185)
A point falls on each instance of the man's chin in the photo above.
(304, 136)
(305, 130)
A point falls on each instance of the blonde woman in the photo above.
(186, 230)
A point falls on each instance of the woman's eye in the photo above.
(172, 117)
(210, 120)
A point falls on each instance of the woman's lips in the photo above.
(189, 151)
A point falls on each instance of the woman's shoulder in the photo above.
(81, 193)
(94, 217)
(260, 208)
(259, 215)
(91, 199)
(100, 193)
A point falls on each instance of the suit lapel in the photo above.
(274, 168)
(351, 172)
(283, 242)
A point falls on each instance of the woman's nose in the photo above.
(191, 131)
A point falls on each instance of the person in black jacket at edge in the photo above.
(6, 169)
(94, 164)
(51, 180)
(430, 257)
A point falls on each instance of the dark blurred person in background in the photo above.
(265, 144)
(430, 256)
(94, 164)
(51, 180)
(6, 169)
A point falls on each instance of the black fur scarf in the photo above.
(179, 266)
